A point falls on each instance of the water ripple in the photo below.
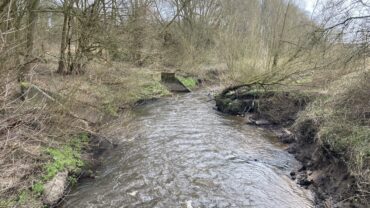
(181, 153)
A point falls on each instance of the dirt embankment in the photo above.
(322, 171)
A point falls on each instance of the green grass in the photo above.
(67, 157)
(25, 85)
(7, 203)
(110, 109)
(37, 189)
(154, 89)
(347, 139)
(23, 197)
(189, 82)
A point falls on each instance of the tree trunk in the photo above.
(62, 68)
(137, 30)
(32, 20)
(63, 46)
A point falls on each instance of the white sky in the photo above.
(308, 5)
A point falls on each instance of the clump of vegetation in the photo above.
(37, 189)
(66, 157)
(189, 82)
(155, 89)
(26, 198)
(7, 203)
(110, 109)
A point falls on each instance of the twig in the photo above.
(6, 90)
(347, 20)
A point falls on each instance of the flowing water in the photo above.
(179, 152)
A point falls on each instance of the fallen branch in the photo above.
(232, 88)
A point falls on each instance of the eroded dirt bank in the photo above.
(322, 170)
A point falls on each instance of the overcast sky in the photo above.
(308, 5)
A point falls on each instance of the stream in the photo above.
(180, 152)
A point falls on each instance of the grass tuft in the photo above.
(110, 109)
(37, 189)
(189, 82)
(67, 157)
(154, 89)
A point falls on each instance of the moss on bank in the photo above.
(67, 157)
(153, 90)
(189, 82)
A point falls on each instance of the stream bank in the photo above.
(278, 111)
(55, 127)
